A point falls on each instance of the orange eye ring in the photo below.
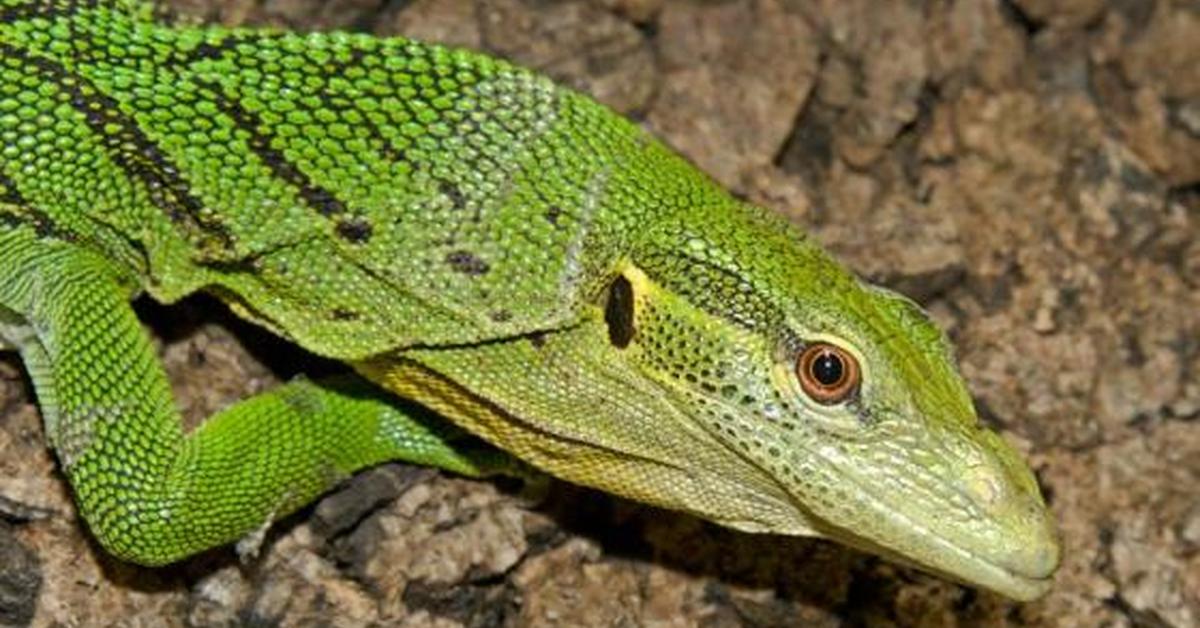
(828, 374)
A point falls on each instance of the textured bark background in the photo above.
(1027, 169)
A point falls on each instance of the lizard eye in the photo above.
(827, 373)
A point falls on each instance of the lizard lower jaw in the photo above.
(1021, 569)
(949, 560)
(1038, 560)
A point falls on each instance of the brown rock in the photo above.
(577, 43)
(876, 73)
(639, 11)
(1146, 77)
(1064, 14)
(734, 76)
(447, 22)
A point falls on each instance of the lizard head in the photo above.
(839, 400)
(729, 368)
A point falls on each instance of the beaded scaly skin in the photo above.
(467, 235)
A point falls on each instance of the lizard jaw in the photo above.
(1027, 575)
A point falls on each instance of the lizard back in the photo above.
(357, 194)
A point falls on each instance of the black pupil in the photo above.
(827, 369)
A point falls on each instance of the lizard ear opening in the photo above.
(618, 312)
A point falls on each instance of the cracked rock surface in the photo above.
(1028, 170)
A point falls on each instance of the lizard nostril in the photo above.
(983, 486)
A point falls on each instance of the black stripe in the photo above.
(390, 151)
(27, 214)
(9, 192)
(384, 146)
(210, 51)
(316, 197)
(339, 103)
(219, 48)
(45, 9)
(146, 161)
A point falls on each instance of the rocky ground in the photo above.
(1027, 169)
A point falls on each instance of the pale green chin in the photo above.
(967, 569)
(930, 551)
(975, 572)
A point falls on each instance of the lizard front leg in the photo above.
(150, 492)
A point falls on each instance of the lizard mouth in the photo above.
(962, 565)
(1021, 579)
